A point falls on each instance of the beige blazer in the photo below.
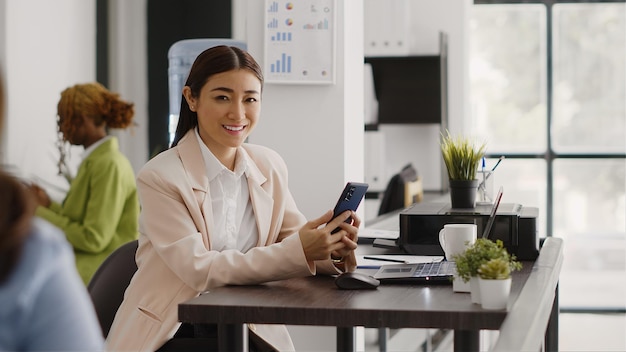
(174, 258)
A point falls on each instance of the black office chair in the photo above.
(403, 189)
(107, 287)
(108, 284)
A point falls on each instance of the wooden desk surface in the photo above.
(317, 301)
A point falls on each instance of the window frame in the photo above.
(550, 155)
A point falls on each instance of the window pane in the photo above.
(507, 77)
(589, 197)
(589, 53)
(590, 215)
(523, 182)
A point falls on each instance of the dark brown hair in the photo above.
(16, 211)
(210, 62)
(93, 100)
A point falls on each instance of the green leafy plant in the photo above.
(482, 251)
(461, 156)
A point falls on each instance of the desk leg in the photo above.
(383, 336)
(346, 339)
(232, 337)
(552, 331)
(466, 340)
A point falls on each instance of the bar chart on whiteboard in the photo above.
(300, 41)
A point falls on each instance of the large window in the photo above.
(548, 91)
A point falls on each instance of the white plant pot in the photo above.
(458, 285)
(494, 294)
(475, 289)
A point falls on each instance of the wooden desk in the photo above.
(317, 301)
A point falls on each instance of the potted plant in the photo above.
(461, 157)
(494, 279)
(482, 251)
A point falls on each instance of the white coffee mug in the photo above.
(454, 238)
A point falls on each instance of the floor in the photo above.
(577, 332)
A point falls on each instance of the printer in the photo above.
(515, 225)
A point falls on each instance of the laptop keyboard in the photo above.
(435, 269)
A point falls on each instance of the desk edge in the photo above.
(524, 329)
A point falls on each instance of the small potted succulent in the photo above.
(482, 251)
(494, 279)
(498, 269)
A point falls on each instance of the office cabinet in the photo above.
(409, 90)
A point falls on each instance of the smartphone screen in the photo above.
(350, 198)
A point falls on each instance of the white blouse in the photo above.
(235, 224)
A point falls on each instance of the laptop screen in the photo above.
(492, 215)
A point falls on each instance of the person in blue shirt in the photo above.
(45, 305)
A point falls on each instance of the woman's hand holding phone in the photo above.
(350, 198)
(348, 261)
(338, 238)
(319, 243)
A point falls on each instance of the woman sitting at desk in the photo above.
(101, 208)
(218, 211)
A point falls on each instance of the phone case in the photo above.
(351, 196)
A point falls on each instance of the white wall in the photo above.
(49, 45)
(424, 19)
(128, 72)
(318, 129)
(428, 18)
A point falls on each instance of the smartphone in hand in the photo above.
(351, 196)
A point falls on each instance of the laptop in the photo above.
(435, 272)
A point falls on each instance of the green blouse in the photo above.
(100, 211)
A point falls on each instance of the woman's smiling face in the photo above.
(228, 109)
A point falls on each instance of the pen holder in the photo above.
(485, 190)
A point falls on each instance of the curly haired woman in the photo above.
(100, 211)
